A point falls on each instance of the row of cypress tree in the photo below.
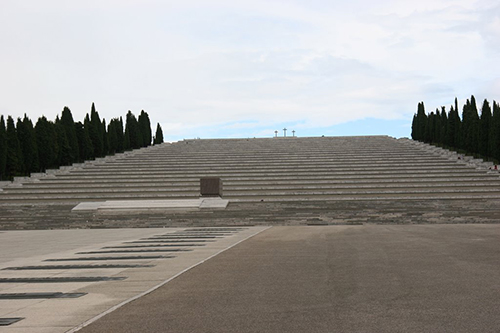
(27, 148)
(473, 133)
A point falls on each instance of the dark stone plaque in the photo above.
(211, 187)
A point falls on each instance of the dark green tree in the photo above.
(484, 134)
(429, 128)
(453, 128)
(414, 128)
(470, 126)
(69, 126)
(126, 140)
(494, 139)
(133, 138)
(159, 135)
(84, 144)
(95, 132)
(46, 140)
(443, 122)
(145, 128)
(27, 140)
(105, 142)
(458, 127)
(64, 156)
(14, 164)
(120, 135)
(3, 149)
(437, 128)
(420, 123)
(112, 138)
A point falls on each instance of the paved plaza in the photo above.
(366, 278)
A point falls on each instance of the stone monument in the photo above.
(211, 187)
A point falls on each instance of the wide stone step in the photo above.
(341, 194)
(251, 182)
(283, 176)
(71, 180)
(181, 163)
(410, 173)
(230, 190)
(263, 167)
(256, 158)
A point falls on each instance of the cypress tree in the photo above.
(27, 140)
(452, 128)
(3, 149)
(145, 128)
(112, 138)
(126, 140)
(458, 127)
(69, 126)
(475, 126)
(470, 122)
(484, 134)
(430, 130)
(64, 156)
(84, 144)
(105, 142)
(159, 135)
(494, 139)
(14, 165)
(422, 121)
(120, 135)
(89, 145)
(444, 128)
(95, 132)
(46, 141)
(132, 132)
(419, 123)
(414, 129)
(437, 128)
(466, 124)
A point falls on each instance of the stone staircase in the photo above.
(267, 178)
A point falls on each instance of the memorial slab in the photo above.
(136, 205)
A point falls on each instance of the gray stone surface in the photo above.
(139, 205)
(332, 279)
(31, 248)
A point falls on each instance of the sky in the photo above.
(241, 68)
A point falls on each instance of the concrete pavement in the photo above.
(390, 278)
(158, 255)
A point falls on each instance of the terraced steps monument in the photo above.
(286, 180)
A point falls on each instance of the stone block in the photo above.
(21, 179)
(4, 183)
(211, 187)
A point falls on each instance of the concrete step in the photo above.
(261, 188)
(409, 173)
(345, 194)
(262, 183)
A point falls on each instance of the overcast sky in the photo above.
(217, 68)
